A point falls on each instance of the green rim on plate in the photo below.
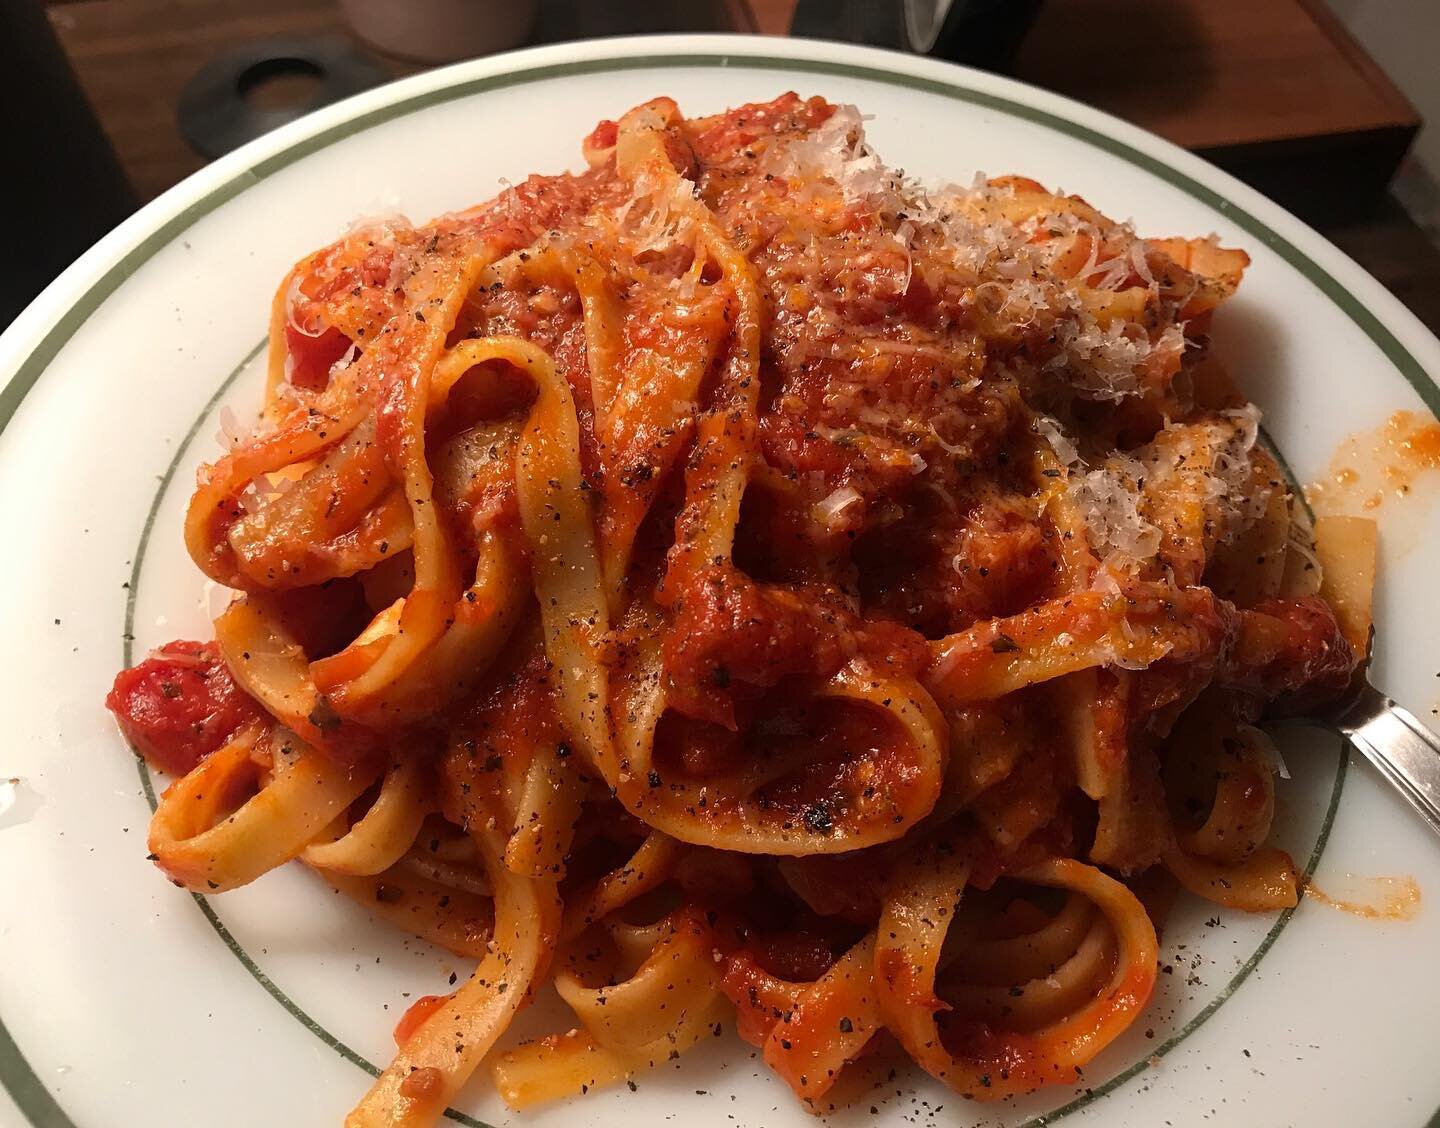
(24, 1087)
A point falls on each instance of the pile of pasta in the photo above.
(739, 584)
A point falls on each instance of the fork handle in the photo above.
(1406, 752)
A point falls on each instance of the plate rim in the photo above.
(52, 319)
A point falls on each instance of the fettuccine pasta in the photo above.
(741, 587)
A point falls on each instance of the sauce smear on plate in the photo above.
(1373, 898)
(1372, 467)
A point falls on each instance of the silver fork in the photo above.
(1406, 752)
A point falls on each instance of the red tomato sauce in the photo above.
(733, 637)
(1312, 653)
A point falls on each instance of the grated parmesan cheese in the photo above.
(1009, 261)
(1060, 443)
(1260, 741)
(345, 360)
(1210, 459)
(829, 509)
(293, 295)
(232, 432)
(1108, 498)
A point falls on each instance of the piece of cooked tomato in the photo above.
(179, 705)
(311, 358)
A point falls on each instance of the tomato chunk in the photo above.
(732, 636)
(312, 357)
(179, 705)
(602, 137)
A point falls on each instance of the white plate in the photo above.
(125, 1001)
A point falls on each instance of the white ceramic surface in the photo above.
(125, 1002)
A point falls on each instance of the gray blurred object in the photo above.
(441, 31)
(979, 33)
(63, 187)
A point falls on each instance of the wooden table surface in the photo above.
(1199, 73)
(134, 57)
(1213, 73)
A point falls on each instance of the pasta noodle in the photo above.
(736, 583)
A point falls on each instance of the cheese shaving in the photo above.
(828, 510)
(1108, 498)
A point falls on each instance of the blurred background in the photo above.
(1318, 103)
